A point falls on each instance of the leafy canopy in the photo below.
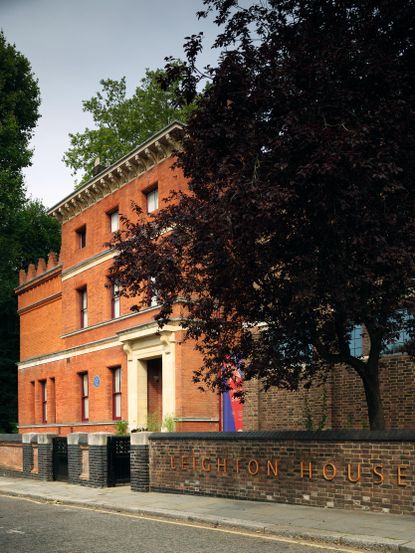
(123, 122)
(26, 231)
(300, 221)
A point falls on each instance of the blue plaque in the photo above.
(97, 381)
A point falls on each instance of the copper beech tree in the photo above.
(300, 220)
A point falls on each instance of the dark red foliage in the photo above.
(300, 223)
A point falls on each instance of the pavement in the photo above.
(354, 529)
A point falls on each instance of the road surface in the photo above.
(27, 526)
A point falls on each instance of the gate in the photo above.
(60, 459)
(118, 460)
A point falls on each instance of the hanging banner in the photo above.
(232, 408)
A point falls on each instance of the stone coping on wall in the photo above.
(11, 438)
(77, 438)
(324, 436)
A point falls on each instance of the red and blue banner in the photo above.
(232, 408)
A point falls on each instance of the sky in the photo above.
(72, 45)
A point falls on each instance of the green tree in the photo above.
(26, 231)
(122, 122)
(33, 234)
(300, 224)
(19, 105)
(37, 233)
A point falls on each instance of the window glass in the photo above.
(83, 294)
(152, 200)
(117, 380)
(85, 397)
(153, 296)
(114, 221)
(81, 237)
(117, 406)
(116, 393)
(116, 308)
(402, 339)
(356, 341)
(44, 401)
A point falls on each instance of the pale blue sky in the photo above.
(72, 44)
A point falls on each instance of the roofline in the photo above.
(165, 130)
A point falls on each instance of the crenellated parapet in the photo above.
(37, 271)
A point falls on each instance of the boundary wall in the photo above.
(337, 404)
(372, 471)
(353, 470)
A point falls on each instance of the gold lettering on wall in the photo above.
(377, 472)
(223, 465)
(253, 467)
(272, 467)
(309, 469)
(333, 470)
(350, 478)
(206, 466)
(400, 475)
(354, 472)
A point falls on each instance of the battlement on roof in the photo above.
(41, 268)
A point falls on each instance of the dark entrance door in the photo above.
(60, 459)
(118, 460)
(154, 391)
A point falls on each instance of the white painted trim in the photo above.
(196, 419)
(70, 273)
(145, 329)
(110, 321)
(141, 344)
(72, 352)
(61, 424)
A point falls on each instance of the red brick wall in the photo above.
(397, 376)
(67, 389)
(96, 219)
(40, 326)
(239, 468)
(45, 329)
(283, 410)
(11, 456)
(190, 400)
(340, 402)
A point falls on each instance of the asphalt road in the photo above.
(31, 527)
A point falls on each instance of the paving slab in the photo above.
(356, 529)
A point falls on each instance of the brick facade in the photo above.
(339, 403)
(58, 347)
(348, 470)
(11, 454)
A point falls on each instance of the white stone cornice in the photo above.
(154, 150)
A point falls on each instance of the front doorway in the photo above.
(154, 394)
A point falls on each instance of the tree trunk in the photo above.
(373, 399)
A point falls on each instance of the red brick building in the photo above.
(86, 359)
